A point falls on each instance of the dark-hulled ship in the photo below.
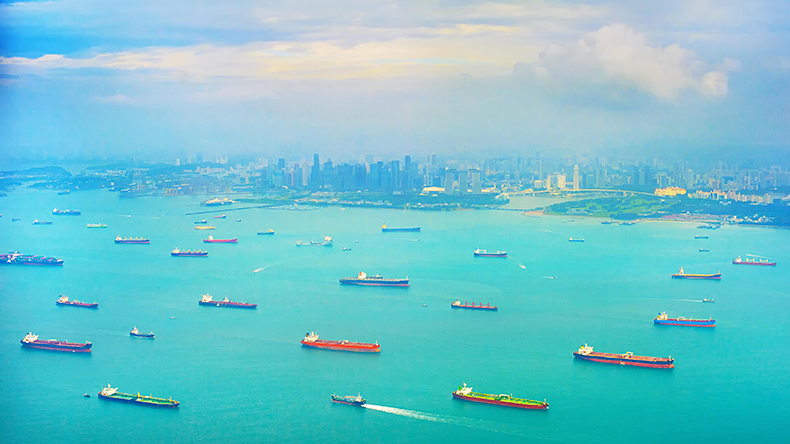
(15, 258)
(375, 281)
(112, 394)
(31, 341)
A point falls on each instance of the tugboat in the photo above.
(311, 340)
(112, 394)
(377, 280)
(484, 253)
(31, 341)
(136, 333)
(458, 304)
(208, 300)
(682, 275)
(349, 400)
(64, 300)
(663, 319)
(189, 253)
(465, 393)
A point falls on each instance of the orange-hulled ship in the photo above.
(311, 340)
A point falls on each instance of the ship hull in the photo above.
(266, 233)
(765, 264)
(714, 277)
(622, 360)
(133, 242)
(686, 322)
(400, 230)
(336, 346)
(221, 241)
(79, 304)
(541, 406)
(10, 259)
(490, 255)
(188, 255)
(58, 346)
(475, 307)
(339, 400)
(134, 400)
(227, 304)
(142, 335)
(372, 283)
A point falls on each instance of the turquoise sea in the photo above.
(242, 376)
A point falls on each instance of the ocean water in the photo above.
(242, 376)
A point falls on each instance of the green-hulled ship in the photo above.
(113, 394)
(467, 394)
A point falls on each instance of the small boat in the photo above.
(575, 240)
(523, 267)
(484, 253)
(64, 192)
(349, 400)
(663, 319)
(326, 243)
(682, 275)
(211, 240)
(189, 253)
(384, 229)
(42, 222)
(204, 221)
(220, 217)
(700, 237)
(703, 250)
(14, 219)
(238, 220)
(266, 233)
(753, 261)
(473, 306)
(97, 226)
(136, 333)
(64, 300)
(205, 227)
(346, 249)
(707, 300)
(85, 395)
(172, 317)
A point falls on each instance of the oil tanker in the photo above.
(375, 281)
(112, 394)
(682, 275)
(208, 300)
(458, 304)
(663, 319)
(64, 300)
(15, 258)
(586, 353)
(131, 240)
(465, 393)
(31, 341)
(211, 240)
(189, 253)
(484, 253)
(384, 229)
(311, 340)
(349, 400)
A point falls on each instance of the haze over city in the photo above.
(691, 78)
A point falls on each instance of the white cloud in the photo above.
(714, 83)
(114, 99)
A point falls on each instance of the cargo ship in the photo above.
(57, 212)
(97, 226)
(377, 280)
(42, 222)
(704, 250)
(131, 240)
(31, 341)
(204, 221)
(211, 240)
(136, 333)
(311, 340)
(700, 237)
(64, 300)
(349, 400)
(575, 240)
(205, 227)
(682, 275)
(216, 202)
(709, 226)
(220, 217)
(753, 261)
(465, 393)
(458, 304)
(663, 319)
(207, 299)
(484, 253)
(606, 222)
(15, 258)
(586, 353)
(113, 394)
(384, 229)
(266, 233)
(326, 243)
(189, 253)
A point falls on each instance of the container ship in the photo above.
(384, 229)
(42, 222)
(311, 340)
(113, 394)
(216, 202)
(211, 240)
(326, 243)
(97, 226)
(131, 240)
(586, 352)
(57, 212)
(266, 233)
(753, 261)
(189, 253)
(136, 333)
(15, 258)
(31, 341)
(484, 253)
(459, 304)
(349, 400)
(663, 319)
(682, 275)
(205, 227)
(64, 300)
(377, 280)
(209, 300)
(465, 393)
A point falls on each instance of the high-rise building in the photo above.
(281, 164)
(315, 173)
(462, 187)
(449, 181)
(576, 177)
(477, 182)
(395, 183)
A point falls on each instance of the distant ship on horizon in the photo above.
(384, 229)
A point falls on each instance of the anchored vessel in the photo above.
(326, 243)
(682, 275)
(30, 340)
(575, 240)
(131, 240)
(42, 222)
(205, 227)
(64, 300)
(484, 253)
(467, 394)
(216, 202)
(586, 352)
(204, 221)
(707, 300)
(700, 237)
(189, 253)
(97, 226)
(311, 340)
(663, 319)
(15, 258)
(209, 300)
(753, 261)
(211, 240)
(384, 229)
(220, 217)
(458, 304)
(57, 212)
(136, 333)
(113, 394)
(377, 280)
(266, 233)
(350, 400)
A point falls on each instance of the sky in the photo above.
(347, 78)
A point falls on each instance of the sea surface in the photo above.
(242, 375)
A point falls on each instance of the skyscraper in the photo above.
(449, 181)
(576, 177)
